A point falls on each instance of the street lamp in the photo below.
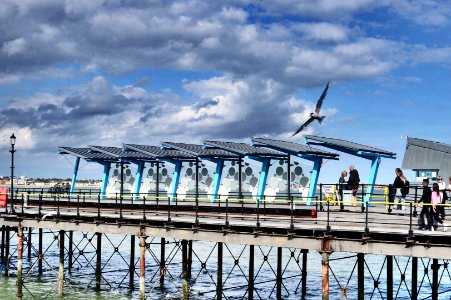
(13, 142)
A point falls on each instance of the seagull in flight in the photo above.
(315, 115)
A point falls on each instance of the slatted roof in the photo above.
(199, 150)
(244, 149)
(330, 142)
(291, 147)
(158, 153)
(122, 153)
(86, 153)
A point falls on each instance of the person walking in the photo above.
(426, 209)
(436, 200)
(399, 185)
(341, 187)
(353, 183)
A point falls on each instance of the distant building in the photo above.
(427, 159)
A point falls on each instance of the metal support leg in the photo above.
(185, 288)
(98, 261)
(162, 260)
(19, 281)
(132, 262)
(190, 258)
(3, 245)
(219, 273)
(40, 252)
(361, 275)
(7, 252)
(279, 273)
(414, 278)
(142, 267)
(435, 266)
(250, 290)
(304, 272)
(29, 246)
(70, 254)
(389, 277)
(61, 266)
(325, 274)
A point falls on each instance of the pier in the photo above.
(154, 236)
(258, 227)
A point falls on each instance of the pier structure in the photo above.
(227, 249)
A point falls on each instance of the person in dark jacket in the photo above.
(341, 187)
(353, 183)
(426, 210)
(399, 185)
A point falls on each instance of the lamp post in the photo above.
(13, 142)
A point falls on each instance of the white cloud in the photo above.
(24, 137)
(14, 47)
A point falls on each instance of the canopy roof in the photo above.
(87, 154)
(201, 151)
(121, 153)
(243, 149)
(427, 155)
(293, 148)
(160, 153)
(346, 146)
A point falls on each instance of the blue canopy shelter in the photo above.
(367, 152)
(127, 156)
(217, 156)
(302, 151)
(175, 157)
(89, 155)
(255, 153)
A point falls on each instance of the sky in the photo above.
(95, 72)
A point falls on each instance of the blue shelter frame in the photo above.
(126, 156)
(255, 153)
(373, 154)
(163, 154)
(89, 155)
(302, 151)
(216, 156)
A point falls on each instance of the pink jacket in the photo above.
(436, 199)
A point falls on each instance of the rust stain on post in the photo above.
(142, 267)
(325, 253)
(19, 262)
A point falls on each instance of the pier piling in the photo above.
(7, 252)
(19, 281)
(29, 245)
(251, 273)
(389, 277)
(414, 278)
(435, 266)
(304, 272)
(279, 273)
(162, 260)
(185, 284)
(70, 253)
(61, 265)
(361, 275)
(219, 273)
(40, 251)
(98, 261)
(325, 254)
(142, 267)
(132, 262)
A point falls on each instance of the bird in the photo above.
(315, 115)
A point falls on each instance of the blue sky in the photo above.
(95, 72)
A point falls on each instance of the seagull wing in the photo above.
(321, 99)
(306, 123)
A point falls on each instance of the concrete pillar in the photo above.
(19, 282)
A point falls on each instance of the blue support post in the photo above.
(263, 178)
(217, 180)
(314, 179)
(375, 162)
(139, 176)
(106, 174)
(175, 179)
(74, 176)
